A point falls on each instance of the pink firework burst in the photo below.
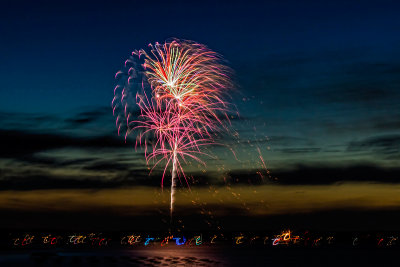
(181, 87)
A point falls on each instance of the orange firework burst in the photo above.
(181, 87)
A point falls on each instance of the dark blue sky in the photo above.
(318, 82)
(59, 55)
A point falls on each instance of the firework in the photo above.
(173, 97)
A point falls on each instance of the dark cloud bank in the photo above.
(25, 168)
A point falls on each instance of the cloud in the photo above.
(363, 82)
(387, 123)
(317, 175)
(19, 144)
(37, 181)
(10, 120)
(299, 150)
(387, 146)
(114, 173)
(31, 178)
(103, 165)
(39, 158)
(87, 116)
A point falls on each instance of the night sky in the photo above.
(317, 90)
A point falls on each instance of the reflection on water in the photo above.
(203, 257)
(154, 257)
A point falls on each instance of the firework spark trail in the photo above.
(181, 87)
